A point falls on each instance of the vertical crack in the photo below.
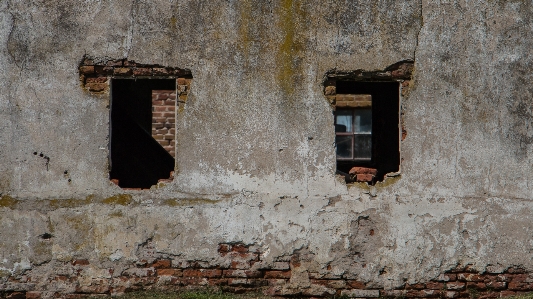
(419, 30)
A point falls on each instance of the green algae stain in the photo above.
(188, 202)
(388, 181)
(119, 199)
(71, 203)
(286, 49)
(245, 13)
(7, 201)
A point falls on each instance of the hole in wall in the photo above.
(140, 156)
(367, 120)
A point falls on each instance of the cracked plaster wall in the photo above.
(247, 170)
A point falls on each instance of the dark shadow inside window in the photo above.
(385, 125)
(137, 160)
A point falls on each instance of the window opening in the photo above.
(142, 131)
(367, 127)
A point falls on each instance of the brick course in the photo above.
(163, 116)
(169, 275)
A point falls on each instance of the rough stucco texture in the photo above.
(255, 161)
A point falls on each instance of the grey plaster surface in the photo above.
(255, 160)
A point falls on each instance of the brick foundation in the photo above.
(243, 271)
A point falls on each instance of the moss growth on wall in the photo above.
(119, 199)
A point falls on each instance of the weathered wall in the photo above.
(255, 161)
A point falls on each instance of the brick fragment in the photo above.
(360, 293)
(208, 273)
(96, 87)
(16, 295)
(363, 170)
(355, 284)
(122, 71)
(476, 285)
(33, 295)
(161, 71)
(87, 70)
(497, 285)
(457, 285)
(142, 71)
(277, 274)
(435, 285)
(169, 272)
(96, 80)
(162, 264)
(80, 262)
(364, 177)
(416, 286)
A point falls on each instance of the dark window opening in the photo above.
(367, 129)
(137, 160)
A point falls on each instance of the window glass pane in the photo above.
(363, 120)
(344, 120)
(362, 146)
(344, 146)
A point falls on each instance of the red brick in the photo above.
(277, 274)
(243, 273)
(430, 293)
(470, 277)
(455, 285)
(169, 272)
(96, 80)
(171, 120)
(161, 71)
(162, 264)
(169, 114)
(161, 96)
(122, 71)
(103, 70)
(476, 285)
(33, 295)
(364, 177)
(363, 170)
(16, 295)
(86, 70)
(114, 63)
(209, 273)
(81, 262)
(142, 71)
(96, 87)
(354, 284)
(507, 293)
(497, 285)
(416, 286)
(435, 285)
(181, 81)
(158, 103)
(239, 248)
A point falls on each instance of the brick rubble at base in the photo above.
(245, 272)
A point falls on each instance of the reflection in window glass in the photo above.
(344, 118)
(344, 146)
(362, 146)
(363, 120)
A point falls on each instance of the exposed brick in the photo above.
(330, 90)
(122, 71)
(87, 70)
(355, 284)
(16, 295)
(446, 277)
(103, 70)
(243, 273)
(33, 295)
(161, 71)
(80, 262)
(476, 285)
(457, 285)
(435, 285)
(142, 71)
(96, 87)
(416, 286)
(169, 272)
(363, 170)
(162, 264)
(209, 273)
(360, 293)
(96, 80)
(278, 274)
(470, 277)
(364, 177)
(497, 285)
